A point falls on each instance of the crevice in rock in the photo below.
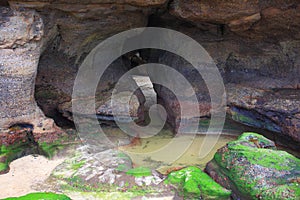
(258, 122)
(28, 136)
(54, 81)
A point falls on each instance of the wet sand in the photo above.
(24, 173)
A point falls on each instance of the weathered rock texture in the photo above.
(274, 110)
(72, 30)
(253, 169)
(20, 42)
(251, 18)
(81, 25)
(255, 44)
(107, 171)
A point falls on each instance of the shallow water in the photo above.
(150, 152)
(165, 151)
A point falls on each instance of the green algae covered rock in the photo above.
(139, 171)
(253, 168)
(9, 153)
(192, 183)
(40, 196)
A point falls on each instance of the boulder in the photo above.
(110, 171)
(192, 183)
(253, 168)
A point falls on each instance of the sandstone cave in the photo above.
(255, 46)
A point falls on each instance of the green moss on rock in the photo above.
(10, 153)
(139, 171)
(40, 196)
(50, 149)
(16, 150)
(246, 147)
(192, 183)
(253, 168)
(286, 192)
(76, 166)
(3, 167)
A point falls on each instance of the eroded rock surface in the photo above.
(20, 44)
(127, 102)
(106, 171)
(254, 44)
(253, 169)
(82, 25)
(248, 18)
(20, 50)
(274, 110)
(72, 30)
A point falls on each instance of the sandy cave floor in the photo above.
(24, 173)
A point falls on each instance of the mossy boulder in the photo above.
(40, 196)
(253, 168)
(193, 183)
(108, 174)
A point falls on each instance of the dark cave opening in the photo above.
(57, 71)
(4, 3)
